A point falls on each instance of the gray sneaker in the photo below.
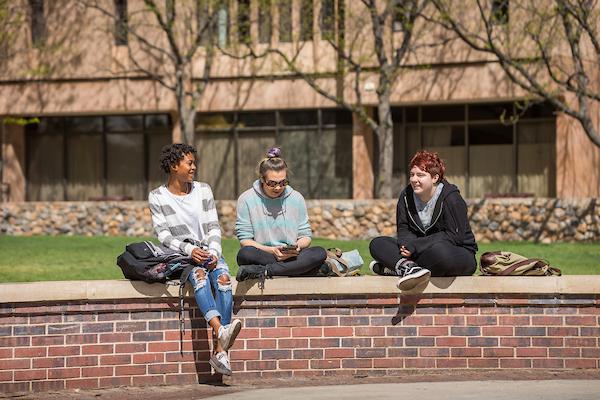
(411, 275)
(220, 363)
(228, 333)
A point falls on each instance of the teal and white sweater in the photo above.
(271, 222)
(192, 216)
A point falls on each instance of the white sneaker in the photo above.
(411, 276)
(228, 333)
(220, 362)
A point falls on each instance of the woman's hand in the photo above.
(200, 256)
(404, 252)
(281, 255)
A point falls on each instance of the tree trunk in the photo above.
(385, 139)
(186, 123)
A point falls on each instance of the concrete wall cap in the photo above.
(124, 289)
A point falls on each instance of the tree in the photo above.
(370, 40)
(172, 43)
(549, 49)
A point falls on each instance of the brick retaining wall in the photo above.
(95, 341)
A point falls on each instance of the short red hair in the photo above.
(429, 162)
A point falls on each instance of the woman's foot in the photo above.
(220, 362)
(411, 275)
(228, 333)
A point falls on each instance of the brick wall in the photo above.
(105, 343)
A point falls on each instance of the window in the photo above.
(121, 38)
(264, 21)
(327, 19)
(243, 17)
(499, 13)
(221, 23)
(399, 17)
(306, 20)
(81, 158)
(38, 22)
(285, 20)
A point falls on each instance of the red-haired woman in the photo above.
(434, 236)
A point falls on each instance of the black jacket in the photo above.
(449, 222)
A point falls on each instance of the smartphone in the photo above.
(288, 248)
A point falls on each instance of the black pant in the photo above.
(307, 263)
(442, 258)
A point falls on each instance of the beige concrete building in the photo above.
(97, 125)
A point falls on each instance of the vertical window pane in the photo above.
(536, 170)
(156, 141)
(490, 159)
(449, 143)
(327, 19)
(125, 166)
(243, 17)
(285, 20)
(332, 178)
(306, 20)
(38, 22)
(222, 24)
(295, 146)
(121, 38)
(253, 146)
(85, 166)
(122, 123)
(215, 162)
(44, 167)
(264, 21)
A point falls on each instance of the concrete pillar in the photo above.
(362, 159)
(13, 158)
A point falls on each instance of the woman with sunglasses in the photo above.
(272, 226)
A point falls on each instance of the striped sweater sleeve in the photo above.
(159, 211)
(210, 221)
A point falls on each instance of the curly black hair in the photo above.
(171, 154)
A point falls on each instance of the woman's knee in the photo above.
(315, 254)
(198, 278)
(377, 244)
(245, 255)
(224, 282)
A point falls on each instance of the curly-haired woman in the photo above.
(434, 236)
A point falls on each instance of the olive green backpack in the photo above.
(507, 263)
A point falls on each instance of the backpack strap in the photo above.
(336, 253)
(516, 265)
(182, 281)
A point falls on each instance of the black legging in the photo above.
(442, 258)
(308, 261)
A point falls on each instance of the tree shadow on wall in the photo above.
(410, 298)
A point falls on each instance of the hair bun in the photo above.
(274, 152)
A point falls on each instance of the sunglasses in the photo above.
(272, 184)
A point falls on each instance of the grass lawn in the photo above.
(45, 258)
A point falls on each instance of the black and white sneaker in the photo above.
(379, 269)
(411, 275)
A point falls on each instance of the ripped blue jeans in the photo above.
(215, 299)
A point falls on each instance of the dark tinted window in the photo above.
(443, 113)
(298, 118)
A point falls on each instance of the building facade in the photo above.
(81, 124)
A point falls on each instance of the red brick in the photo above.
(30, 375)
(115, 337)
(6, 353)
(548, 363)
(562, 331)
(163, 346)
(7, 364)
(388, 363)
(497, 331)
(449, 320)
(514, 320)
(547, 342)
(120, 359)
(86, 338)
(57, 362)
(261, 365)
(338, 332)
(499, 310)
(47, 386)
(276, 332)
(465, 352)
(97, 349)
(129, 326)
(64, 373)
(434, 352)
(564, 352)
(463, 310)
(483, 362)
(130, 348)
(64, 351)
(115, 381)
(450, 341)
(580, 363)
(14, 387)
(433, 331)
(401, 331)
(515, 363)
(181, 379)
(451, 363)
(587, 320)
(307, 332)
(339, 353)
(131, 370)
(402, 352)
(152, 380)
(419, 363)
(288, 344)
(499, 352)
(82, 361)
(366, 363)
(159, 369)
(532, 352)
(325, 364)
(417, 320)
(589, 310)
(580, 342)
(244, 354)
(590, 353)
(515, 342)
(322, 343)
(291, 321)
(96, 372)
(263, 343)
(148, 358)
(175, 336)
(249, 333)
(388, 342)
(30, 352)
(18, 341)
(88, 383)
(293, 364)
(546, 321)
(307, 354)
(482, 320)
(112, 316)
